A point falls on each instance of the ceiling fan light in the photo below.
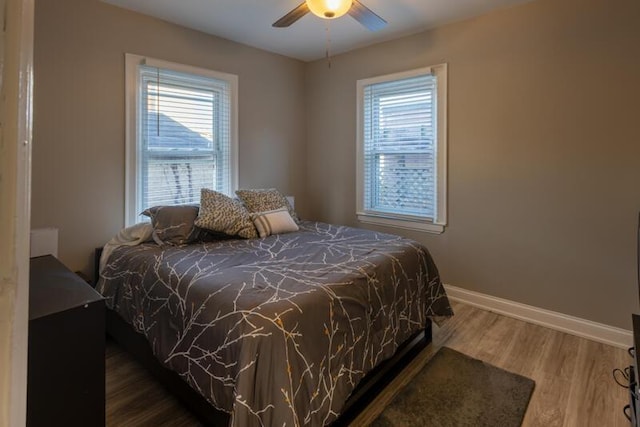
(329, 9)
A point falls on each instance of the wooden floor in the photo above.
(574, 384)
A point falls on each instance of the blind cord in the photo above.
(158, 102)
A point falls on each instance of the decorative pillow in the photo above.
(265, 200)
(276, 221)
(225, 215)
(173, 225)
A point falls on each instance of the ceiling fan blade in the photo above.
(292, 16)
(366, 16)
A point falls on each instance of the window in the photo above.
(181, 134)
(402, 149)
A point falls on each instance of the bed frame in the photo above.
(367, 390)
(137, 345)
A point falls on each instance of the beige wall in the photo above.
(544, 151)
(543, 138)
(79, 149)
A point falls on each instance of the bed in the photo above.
(291, 329)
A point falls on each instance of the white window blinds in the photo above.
(184, 136)
(402, 155)
(400, 152)
(181, 133)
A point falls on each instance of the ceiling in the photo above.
(249, 21)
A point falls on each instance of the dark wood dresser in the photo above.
(66, 376)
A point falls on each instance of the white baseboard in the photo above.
(599, 332)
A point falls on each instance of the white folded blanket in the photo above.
(130, 236)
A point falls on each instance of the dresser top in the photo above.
(54, 288)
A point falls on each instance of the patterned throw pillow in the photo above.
(225, 215)
(265, 200)
(276, 221)
(173, 225)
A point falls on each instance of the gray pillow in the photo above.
(173, 225)
(262, 200)
(223, 214)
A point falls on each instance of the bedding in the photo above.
(274, 222)
(129, 236)
(173, 225)
(222, 214)
(266, 199)
(277, 331)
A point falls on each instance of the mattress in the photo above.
(280, 330)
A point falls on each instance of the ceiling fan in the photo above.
(331, 9)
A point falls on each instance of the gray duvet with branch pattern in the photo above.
(277, 331)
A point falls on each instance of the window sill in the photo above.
(407, 224)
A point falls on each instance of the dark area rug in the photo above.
(456, 390)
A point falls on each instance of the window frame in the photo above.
(404, 221)
(132, 119)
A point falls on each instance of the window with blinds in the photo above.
(399, 143)
(184, 136)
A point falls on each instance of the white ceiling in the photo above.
(249, 21)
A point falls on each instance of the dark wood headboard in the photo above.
(97, 253)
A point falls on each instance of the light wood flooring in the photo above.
(574, 383)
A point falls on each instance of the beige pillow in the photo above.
(276, 221)
(263, 200)
(223, 214)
